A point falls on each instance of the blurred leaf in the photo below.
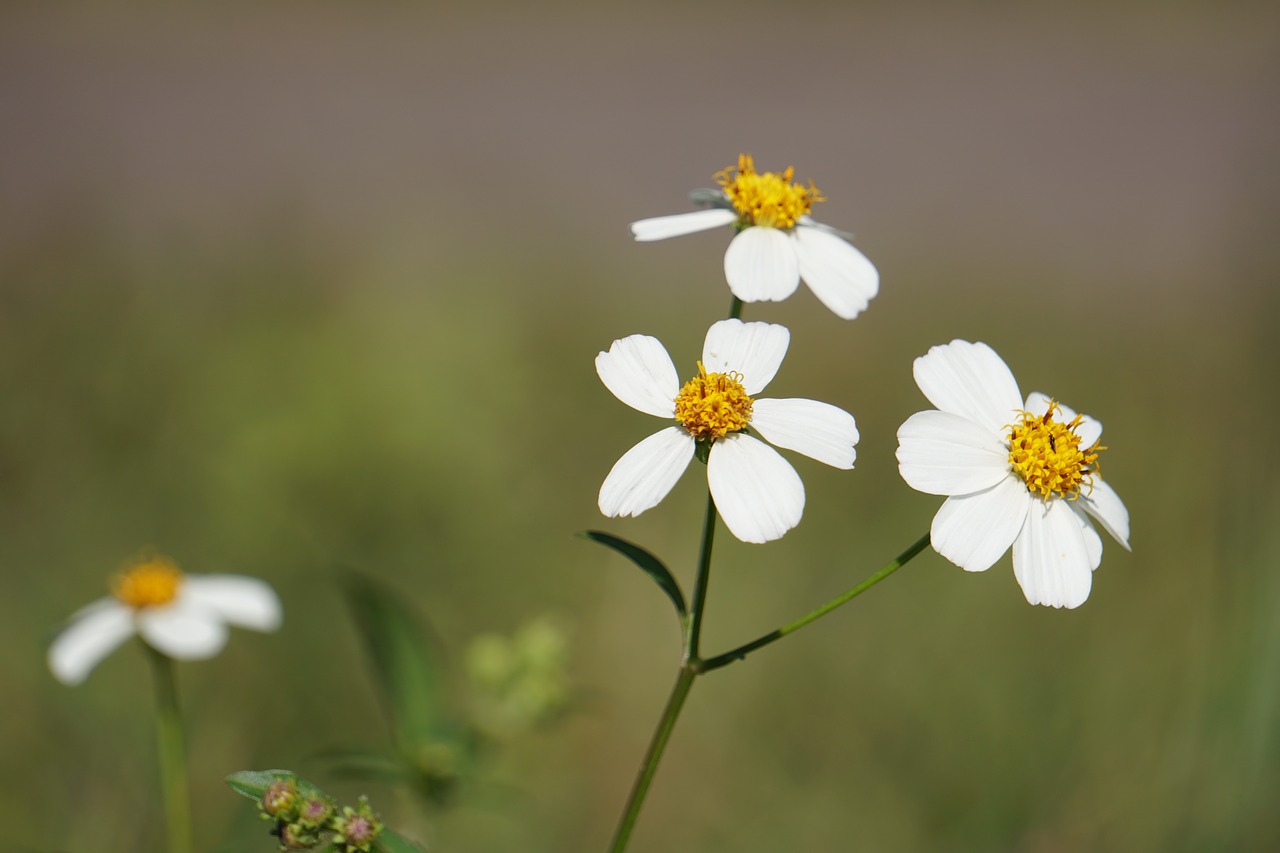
(651, 565)
(361, 764)
(404, 666)
(391, 842)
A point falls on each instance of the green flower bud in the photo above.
(356, 828)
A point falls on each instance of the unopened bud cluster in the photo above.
(518, 681)
(300, 817)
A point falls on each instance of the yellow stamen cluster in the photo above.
(766, 198)
(712, 405)
(1047, 455)
(150, 582)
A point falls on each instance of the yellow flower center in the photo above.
(712, 405)
(1047, 455)
(767, 198)
(149, 583)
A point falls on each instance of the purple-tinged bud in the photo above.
(357, 828)
(280, 798)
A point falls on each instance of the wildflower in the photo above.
(757, 492)
(182, 616)
(1020, 473)
(777, 243)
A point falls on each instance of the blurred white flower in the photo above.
(1020, 473)
(182, 616)
(777, 244)
(757, 492)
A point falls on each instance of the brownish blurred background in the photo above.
(297, 287)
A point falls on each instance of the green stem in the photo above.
(694, 636)
(735, 310)
(173, 762)
(661, 735)
(742, 651)
(690, 667)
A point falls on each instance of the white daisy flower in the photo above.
(1020, 473)
(777, 244)
(182, 616)
(757, 492)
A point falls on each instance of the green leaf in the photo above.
(404, 664)
(391, 842)
(650, 564)
(360, 764)
(254, 783)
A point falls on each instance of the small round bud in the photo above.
(294, 836)
(314, 812)
(280, 798)
(356, 828)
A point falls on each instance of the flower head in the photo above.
(182, 616)
(356, 829)
(757, 492)
(777, 244)
(1020, 473)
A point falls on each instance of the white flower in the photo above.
(777, 244)
(182, 616)
(1020, 473)
(757, 492)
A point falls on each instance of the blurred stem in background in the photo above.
(693, 665)
(172, 753)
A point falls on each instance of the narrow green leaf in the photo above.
(360, 764)
(650, 564)
(404, 663)
(392, 842)
(254, 783)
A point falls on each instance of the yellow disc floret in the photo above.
(1047, 454)
(150, 582)
(768, 199)
(712, 405)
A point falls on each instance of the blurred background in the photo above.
(294, 288)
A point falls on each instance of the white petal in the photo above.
(677, 225)
(183, 630)
(646, 472)
(639, 372)
(1105, 505)
(973, 531)
(1089, 430)
(1051, 557)
(818, 430)
(761, 265)
(1092, 541)
(836, 272)
(238, 600)
(757, 492)
(944, 454)
(92, 634)
(970, 380)
(755, 350)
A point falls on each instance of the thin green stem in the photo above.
(735, 310)
(742, 651)
(666, 723)
(173, 762)
(700, 584)
(690, 667)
